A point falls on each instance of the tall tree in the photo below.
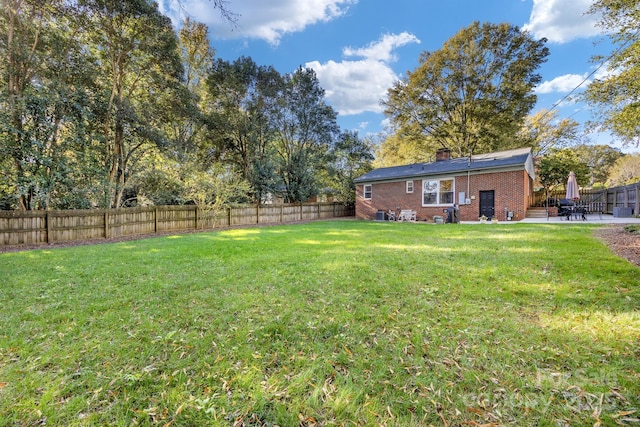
(600, 159)
(543, 131)
(197, 59)
(351, 157)
(164, 176)
(46, 80)
(473, 94)
(554, 169)
(396, 149)
(617, 96)
(625, 171)
(305, 128)
(138, 49)
(240, 93)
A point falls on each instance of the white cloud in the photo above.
(257, 19)
(569, 82)
(356, 86)
(561, 21)
(382, 50)
(561, 84)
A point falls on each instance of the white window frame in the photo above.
(364, 191)
(435, 185)
(409, 186)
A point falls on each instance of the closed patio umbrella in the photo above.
(573, 193)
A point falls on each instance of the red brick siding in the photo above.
(511, 190)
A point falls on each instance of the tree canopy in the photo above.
(616, 97)
(104, 104)
(543, 131)
(554, 169)
(626, 170)
(473, 94)
(600, 159)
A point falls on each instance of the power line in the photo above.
(604, 61)
(554, 106)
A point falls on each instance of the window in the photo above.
(409, 186)
(367, 192)
(437, 192)
(430, 193)
(446, 191)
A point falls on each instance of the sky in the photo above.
(359, 48)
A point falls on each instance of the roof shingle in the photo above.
(498, 160)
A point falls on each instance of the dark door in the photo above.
(487, 207)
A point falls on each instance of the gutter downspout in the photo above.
(468, 178)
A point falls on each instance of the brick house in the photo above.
(495, 185)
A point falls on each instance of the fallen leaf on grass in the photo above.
(179, 410)
(475, 411)
(624, 413)
(307, 421)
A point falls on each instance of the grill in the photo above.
(565, 207)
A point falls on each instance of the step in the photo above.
(536, 213)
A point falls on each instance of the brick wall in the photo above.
(511, 190)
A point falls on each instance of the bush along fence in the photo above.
(46, 227)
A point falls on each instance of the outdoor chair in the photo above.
(575, 211)
(580, 212)
(407, 215)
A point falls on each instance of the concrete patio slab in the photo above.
(591, 219)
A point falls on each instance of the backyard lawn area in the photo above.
(326, 323)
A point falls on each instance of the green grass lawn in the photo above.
(326, 323)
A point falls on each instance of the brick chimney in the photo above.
(443, 154)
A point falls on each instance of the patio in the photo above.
(591, 218)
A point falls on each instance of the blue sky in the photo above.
(358, 48)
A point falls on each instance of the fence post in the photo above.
(258, 213)
(155, 220)
(106, 223)
(195, 220)
(626, 196)
(48, 221)
(229, 216)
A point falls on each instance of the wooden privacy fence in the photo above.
(626, 196)
(44, 227)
